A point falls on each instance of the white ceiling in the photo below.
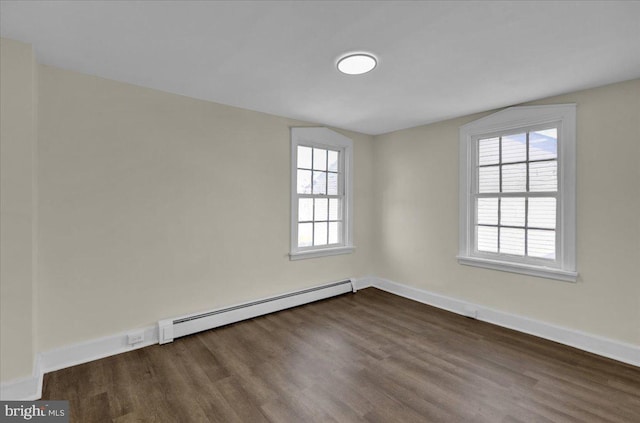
(437, 59)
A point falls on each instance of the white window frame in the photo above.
(510, 121)
(321, 137)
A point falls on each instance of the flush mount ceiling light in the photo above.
(357, 63)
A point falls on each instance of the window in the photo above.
(321, 193)
(517, 191)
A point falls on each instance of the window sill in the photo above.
(525, 269)
(301, 255)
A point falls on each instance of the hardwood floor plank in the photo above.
(371, 357)
(243, 405)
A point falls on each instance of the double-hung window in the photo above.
(321, 193)
(517, 191)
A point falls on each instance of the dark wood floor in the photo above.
(371, 356)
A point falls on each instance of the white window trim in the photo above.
(512, 119)
(322, 138)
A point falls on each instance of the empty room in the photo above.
(320, 211)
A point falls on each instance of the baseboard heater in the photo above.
(170, 329)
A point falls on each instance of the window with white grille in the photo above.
(518, 191)
(321, 193)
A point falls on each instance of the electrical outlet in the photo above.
(135, 337)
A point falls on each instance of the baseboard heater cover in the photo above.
(170, 329)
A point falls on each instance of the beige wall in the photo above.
(416, 215)
(17, 209)
(153, 205)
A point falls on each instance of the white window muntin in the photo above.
(510, 121)
(517, 194)
(323, 138)
(339, 196)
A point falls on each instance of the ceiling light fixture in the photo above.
(357, 63)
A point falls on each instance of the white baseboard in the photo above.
(626, 353)
(363, 282)
(84, 352)
(23, 389)
(30, 388)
